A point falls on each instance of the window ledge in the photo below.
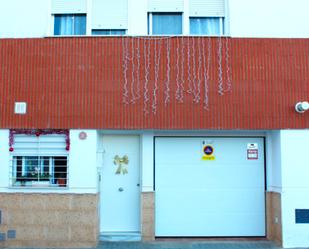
(38, 187)
(135, 36)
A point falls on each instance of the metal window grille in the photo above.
(39, 171)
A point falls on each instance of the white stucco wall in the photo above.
(137, 17)
(273, 161)
(147, 159)
(295, 181)
(83, 162)
(269, 18)
(4, 160)
(20, 18)
(244, 18)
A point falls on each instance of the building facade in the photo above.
(136, 120)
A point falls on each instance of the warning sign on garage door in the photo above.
(208, 152)
(252, 151)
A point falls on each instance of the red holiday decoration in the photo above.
(39, 132)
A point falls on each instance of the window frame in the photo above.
(32, 179)
(125, 32)
(69, 14)
(150, 23)
(36, 153)
(221, 25)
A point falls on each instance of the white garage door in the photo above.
(219, 193)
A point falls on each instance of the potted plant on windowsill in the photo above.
(22, 180)
(62, 180)
(40, 179)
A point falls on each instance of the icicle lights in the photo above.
(181, 69)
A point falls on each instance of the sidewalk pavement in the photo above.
(190, 245)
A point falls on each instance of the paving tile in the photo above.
(189, 245)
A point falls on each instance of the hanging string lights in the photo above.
(220, 71)
(147, 68)
(228, 68)
(168, 72)
(179, 68)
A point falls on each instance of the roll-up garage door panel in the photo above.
(231, 200)
(69, 6)
(110, 14)
(191, 150)
(207, 224)
(210, 8)
(165, 5)
(207, 177)
(193, 196)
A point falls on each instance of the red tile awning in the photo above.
(154, 83)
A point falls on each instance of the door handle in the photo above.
(120, 189)
(138, 185)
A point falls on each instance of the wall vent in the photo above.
(11, 234)
(20, 107)
(2, 236)
(302, 216)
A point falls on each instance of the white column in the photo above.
(185, 22)
(273, 163)
(147, 161)
(89, 18)
(137, 17)
(83, 162)
(4, 160)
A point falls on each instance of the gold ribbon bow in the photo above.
(122, 163)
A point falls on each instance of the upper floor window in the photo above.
(70, 24)
(165, 23)
(207, 17)
(206, 25)
(108, 32)
(109, 17)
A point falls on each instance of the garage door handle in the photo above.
(120, 189)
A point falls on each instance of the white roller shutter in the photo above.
(110, 14)
(165, 5)
(222, 195)
(45, 145)
(209, 8)
(69, 6)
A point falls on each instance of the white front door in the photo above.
(120, 181)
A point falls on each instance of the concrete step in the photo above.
(120, 236)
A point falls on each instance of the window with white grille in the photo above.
(39, 161)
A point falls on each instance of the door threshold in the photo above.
(215, 239)
(120, 236)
